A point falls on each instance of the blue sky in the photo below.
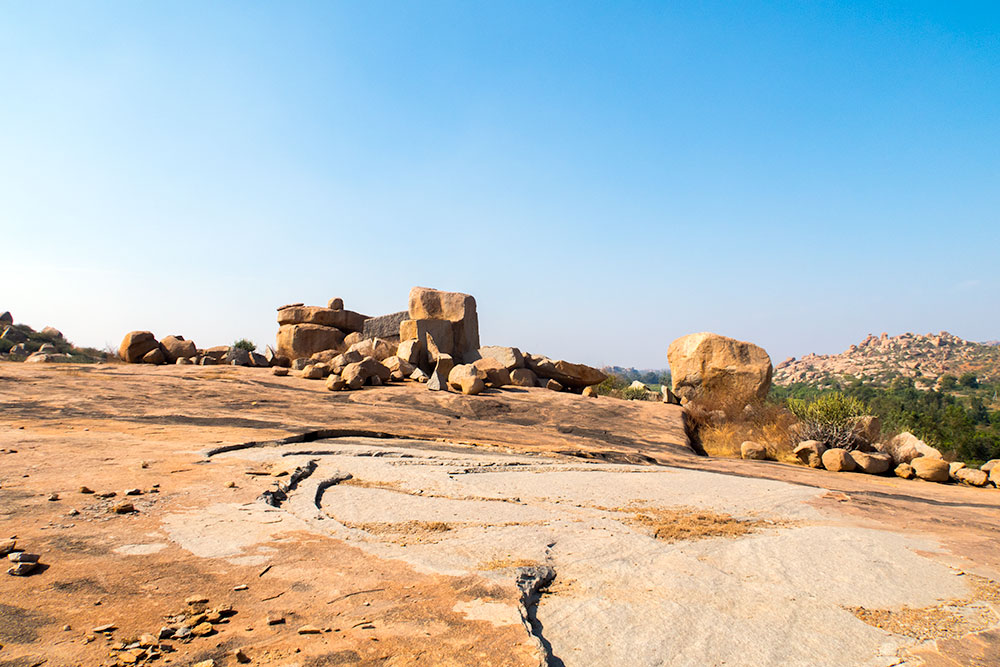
(603, 177)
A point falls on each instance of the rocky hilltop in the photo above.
(883, 358)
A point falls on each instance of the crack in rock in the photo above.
(326, 484)
(531, 581)
(274, 497)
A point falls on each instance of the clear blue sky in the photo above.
(603, 177)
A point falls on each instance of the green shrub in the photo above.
(969, 380)
(833, 419)
(244, 344)
(611, 384)
(635, 393)
(948, 382)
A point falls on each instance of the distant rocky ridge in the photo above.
(883, 358)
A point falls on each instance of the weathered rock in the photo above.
(419, 330)
(869, 428)
(954, 467)
(275, 359)
(554, 385)
(810, 452)
(457, 308)
(154, 356)
(418, 375)
(397, 365)
(300, 363)
(22, 569)
(905, 447)
(336, 303)
(361, 372)
(971, 476)
(183, 361)
(217, 352)
(326, 356)
(6, 319)
(175, 347)
(930, 468)
(207, 361)
(280, 371)
(523, 377)
(6, 546)
(136, 345)
(385, 327)
(259, 360)
(838, 460)
(496, 373)
(409, 351)
(376, 348)
(669, 396)
(352, 338)
(905, 470)
(874, 463)
(336, 383)
(995, 476)
(510, 357)
(51, 332)
(467, 379)
(989, 465)
(345, 320)
(42, 358)
(565, 373)
(304, 340)
(22, 557)
(725, 370)
(439, 378)
(290, 305)
(312, 372)
(753, 450)
(237, 356)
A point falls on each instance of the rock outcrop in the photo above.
(136, 345)
(930, 469)
(724, 370)
(905, 447)
(458, 309)
(297, 341)
(576, 376)
(175, 347)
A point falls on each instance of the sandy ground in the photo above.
(410, 521)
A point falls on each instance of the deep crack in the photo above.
(531, 581)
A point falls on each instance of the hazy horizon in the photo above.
(602, 178)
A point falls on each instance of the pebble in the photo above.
(133, 492)
(54, 497)
(22, 557)
(107, 627)
(86, 489)
(22, 569)
(230, 485)
(275, 620)
(202, 630)
(196, 599)
(241, 587)
(205, 663)
(309, 630)
(182, 632)
(73, 512)
(147, 640)
(123, 508)
(241, 656)
(166, 632)
(67, 628)
(7, 546)
(107, 494)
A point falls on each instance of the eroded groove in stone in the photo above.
(326, 484)
(274, 497)
(531, 581)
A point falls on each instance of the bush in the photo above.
(635, 393)
(969, 380)
(244, 344)
(833, 419)
(948, 382)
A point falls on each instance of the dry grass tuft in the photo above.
(677, 524)
(722, 428)
(505, 563)
(421, 530)
(950, 619)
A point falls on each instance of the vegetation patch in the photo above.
(679, 524)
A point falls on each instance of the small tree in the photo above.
(968, 380)
(244, 344)
(833, 419)
(947, 382)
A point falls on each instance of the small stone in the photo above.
(107, 627)
(280, 371)
(7, 546)
(53, 497)
(107, 494)
(230, 485)
(22, 557)
(133, 492)
(67, 628)
(275, 620)
(241, 587)
(240, 656)
(123, 508)
(553, 385)
(905, 470)
(754, 451)
(73, 512)
(22, 569)
(166, 632)
(182, 632)
(147, 640)
(196, 599)
(309, 630)
(590, 392)
(202, 630)
(205, 663)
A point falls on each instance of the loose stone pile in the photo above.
(24, 563)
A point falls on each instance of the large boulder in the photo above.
(575, 376)
(496, 373)
(874, 463)
(373, 347)
(724, 370)
(510, 357)
(523, 377)
(419, 330)
(905, 470)
(753, 450)
(154, 356)
(304, 340)
(467, 379)
(810, 452)
(930, 468)
(439, 378)
(838, 460)
(989, 465)
(136, 345)
(11, 334)
(52, 333)
(905, 447)
(385, 327)
(345, 320)
(175, 347)
(6, 319)
(971, 476)
(455, 307)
